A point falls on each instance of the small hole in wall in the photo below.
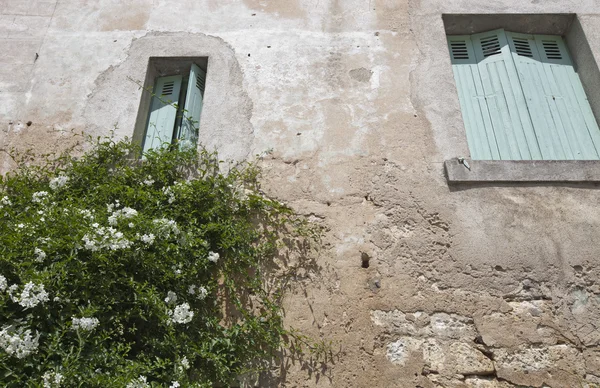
(364, 258)
(499, 268)
(578, 268)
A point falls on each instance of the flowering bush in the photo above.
(124, 273)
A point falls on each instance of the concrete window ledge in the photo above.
(489, 171)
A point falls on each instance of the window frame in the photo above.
(462, 169)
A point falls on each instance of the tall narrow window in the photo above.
(175, 110)
(521, 98)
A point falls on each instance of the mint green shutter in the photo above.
(513, 131)
(163, 113)
(569, 105)
(479, 130)
(188, 136)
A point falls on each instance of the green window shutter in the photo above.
(161, 122)
(549, 133)
(512, 127)
(478, 126)
(188, 135)
(571, 111)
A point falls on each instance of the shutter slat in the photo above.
(161, 121)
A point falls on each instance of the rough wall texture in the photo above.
(468, 286)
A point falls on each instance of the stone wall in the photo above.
(473, 285)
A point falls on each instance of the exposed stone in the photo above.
(453, 326)
(440, 325)
(441, 357)
(529, 322)
(481, 382)
(399, 351)
(558, 365)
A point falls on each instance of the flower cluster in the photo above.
(169, 193)
(213, 256)
(39, 255)
(181, 314)
(19, 343)
(31, 296)
(105, 238)
(121, 214)
(85, 324)
(201, 291)
(52, 379)
(140, 382)
(166, 227)
(87, 213)
(3, 283)
(171, 298)
(5, 202)
(149, 181)
(148, 238)
(38, 196)
(58, 182)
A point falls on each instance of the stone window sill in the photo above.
(492, 171)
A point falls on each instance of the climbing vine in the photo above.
(117, 271)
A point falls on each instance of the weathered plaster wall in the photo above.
(468, 286)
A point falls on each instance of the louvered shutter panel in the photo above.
(188, 135)
(513, 131)
(478, 127)
(536, 88)
(571, 112)
(161, 122)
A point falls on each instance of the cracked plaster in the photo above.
(356, 101)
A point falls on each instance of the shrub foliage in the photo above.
(116, 272)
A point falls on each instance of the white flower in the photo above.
(148, 238)
(181, 314)
(149, 181)
(40, 255)
(5, 202)
(171, 298)
(86, 214)
(174, 384)
(58, 182)
(140, 382)
(131, 225)
(86, 324)
(19, 343)
(169, 193)
(105, 238)
(213, 256)
(185, 363)
(3, 283)
(32, 295)
(202, 292)
(21, 226)
(166, 227)
(52, 379)
(38, 196)
(124, 213)
(11, 290)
